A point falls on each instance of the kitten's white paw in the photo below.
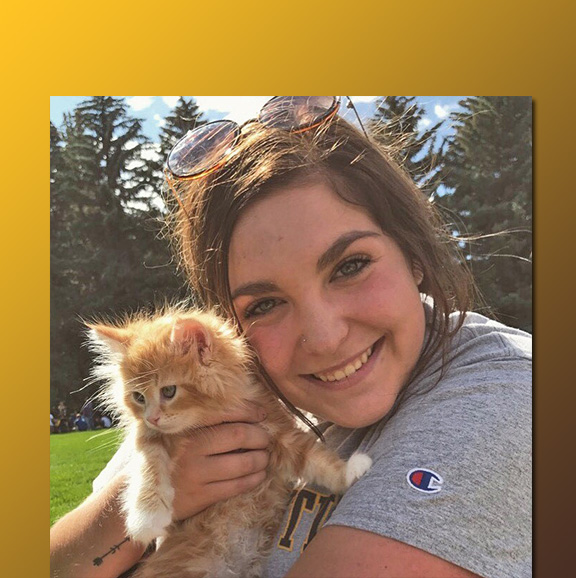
(145, 526)
(357, 466)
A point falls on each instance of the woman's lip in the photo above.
(353, 379)
(341, 366)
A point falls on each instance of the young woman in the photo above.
(345, 282)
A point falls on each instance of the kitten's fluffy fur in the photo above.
(200, 354)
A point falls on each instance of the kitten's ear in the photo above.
(115, 338)
(190, 334)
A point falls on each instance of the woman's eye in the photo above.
(261, 307)
(138, 397)
(168, 392)
(352, 267)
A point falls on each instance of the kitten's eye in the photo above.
(169, 391)
(138, 397)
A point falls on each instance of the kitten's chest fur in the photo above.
(231, 538)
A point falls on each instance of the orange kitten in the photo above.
(167, 374)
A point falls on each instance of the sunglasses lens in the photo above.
(293, 113)
(202, 148)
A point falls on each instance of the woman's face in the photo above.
(328, 301)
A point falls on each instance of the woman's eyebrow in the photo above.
(256, 288)
(340, 245)
(329, 256)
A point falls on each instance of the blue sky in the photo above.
(239, 108)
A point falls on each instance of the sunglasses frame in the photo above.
(171, 174)
(173, 178)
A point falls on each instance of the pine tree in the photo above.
(105, 216)
(397, 125)
(488, 166)
(184, 117)
(61, 292)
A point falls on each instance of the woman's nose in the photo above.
(323, 330)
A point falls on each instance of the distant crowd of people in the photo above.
(62, 420)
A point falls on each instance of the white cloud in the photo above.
(242, 108)
(160, 121)
(134, 164)
(171, 101)
(442, 111)
(151, 152)
(140, 102)
(424, 123)
(239, 108)
(363, 98)
(131, 144)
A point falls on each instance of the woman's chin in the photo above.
(357, 420)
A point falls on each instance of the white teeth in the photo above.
(351, 368)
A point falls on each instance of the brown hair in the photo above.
(268, 159)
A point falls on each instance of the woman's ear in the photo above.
(417, 273)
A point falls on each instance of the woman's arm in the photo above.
(91, 541)
(341, 552)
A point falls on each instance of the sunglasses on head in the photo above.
(206, 148)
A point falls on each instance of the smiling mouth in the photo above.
(349, 369)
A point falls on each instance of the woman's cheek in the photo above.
(269, 346)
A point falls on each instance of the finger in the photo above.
(230, 488)
(231, 466)
(229, 437)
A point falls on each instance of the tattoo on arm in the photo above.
(98, 560)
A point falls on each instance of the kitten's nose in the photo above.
(153, 419)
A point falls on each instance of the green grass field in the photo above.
(76, 458)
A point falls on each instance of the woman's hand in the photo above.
(209, 467)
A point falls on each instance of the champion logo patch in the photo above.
(425, 480)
